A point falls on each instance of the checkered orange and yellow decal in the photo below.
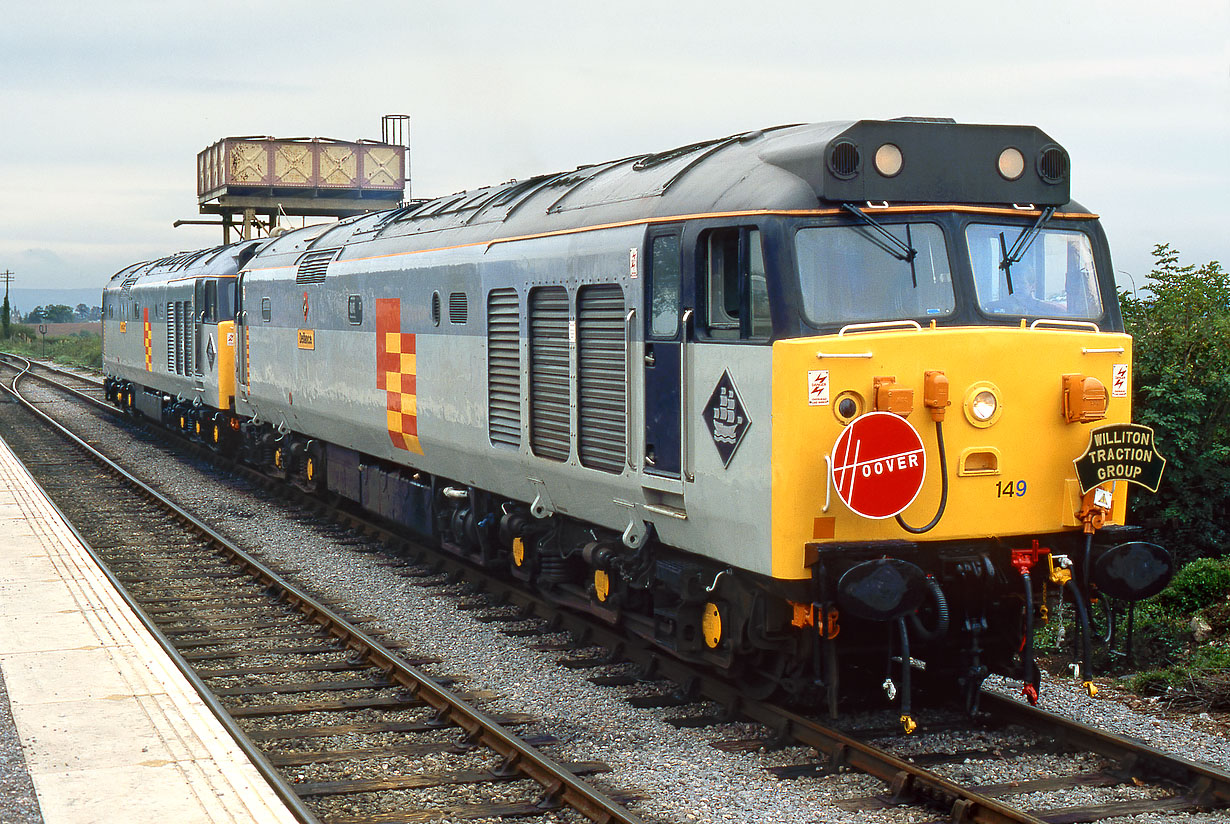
(396, 373)
(149, 341)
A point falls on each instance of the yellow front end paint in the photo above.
(226, 364)
(1029, 448)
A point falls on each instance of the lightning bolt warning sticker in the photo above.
(818, 387)
(1119, 380)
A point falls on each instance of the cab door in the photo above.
(241, 338)
(665, 327)
(198, 326)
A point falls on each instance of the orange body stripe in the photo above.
(653, 221)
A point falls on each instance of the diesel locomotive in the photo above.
(814, 404)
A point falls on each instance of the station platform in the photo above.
(109, 729)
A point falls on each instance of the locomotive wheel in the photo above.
(761, 675)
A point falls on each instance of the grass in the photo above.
(80, 349)
(1168, 661)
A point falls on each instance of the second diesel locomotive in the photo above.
(797, 403)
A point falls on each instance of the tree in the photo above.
(36, 315)
(5, 316)
(58, 313)
(83, 312)
(1182, 390)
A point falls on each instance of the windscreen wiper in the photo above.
(896, 247)
(1023, 241)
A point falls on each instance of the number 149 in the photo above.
(1009, 489)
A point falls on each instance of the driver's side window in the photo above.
(734, 286)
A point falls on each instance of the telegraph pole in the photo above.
(5, 321)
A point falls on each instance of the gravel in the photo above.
(678, 774)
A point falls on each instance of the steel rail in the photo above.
(1208, 786)
(903, 777)
(560, 786)
(280, 787)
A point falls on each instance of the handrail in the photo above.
(683, 400)
(1080, 324)
(879, 324)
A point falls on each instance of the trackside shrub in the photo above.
(1181, 388)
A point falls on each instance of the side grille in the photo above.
(550, 416)
(504, 368)
(185, 329)
(172, 359)
(601, 379)
(458, 308)
(314, 265)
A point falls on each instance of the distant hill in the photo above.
(27, 299)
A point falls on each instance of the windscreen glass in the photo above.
(851, 274)
(1054, 278)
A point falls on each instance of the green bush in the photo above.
(1181, 367)
(1200, 584)
(1200, 680)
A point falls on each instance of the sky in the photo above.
(104, 106)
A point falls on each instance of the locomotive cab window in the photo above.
(850, 274)
(266, 310)
(207, 301)
(1054, 278)
(224, 307)
(666, 276)
(736, 293)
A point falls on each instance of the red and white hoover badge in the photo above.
(879, 464)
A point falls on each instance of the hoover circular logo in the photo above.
(879, 465)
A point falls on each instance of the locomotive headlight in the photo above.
(1011, 163)
(889, 160)
(982, 405)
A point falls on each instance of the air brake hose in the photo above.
(1082, 618)
(907, 721)
(1032, 678)
(941, 615)
(918, 530)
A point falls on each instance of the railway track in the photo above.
(348, 730)
(1159, 782)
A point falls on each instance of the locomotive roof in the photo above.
(785, 168)
(216, 261)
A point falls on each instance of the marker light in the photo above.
(888, 160)
(1011, 163)
(983, 405)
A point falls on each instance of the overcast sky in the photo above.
(106, 104)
